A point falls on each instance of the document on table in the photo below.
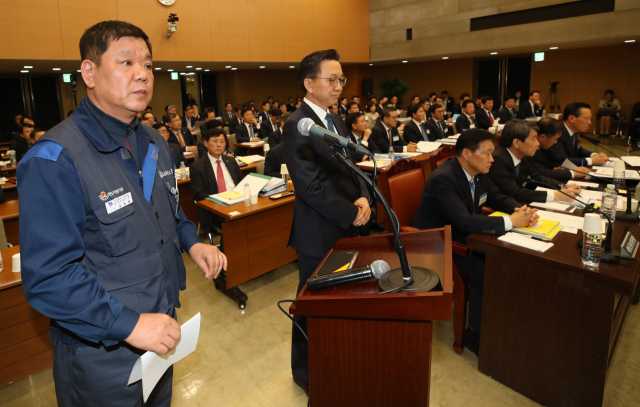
(369, 164)
(585, 196)
(150, 366)
(584, 184)
(565, 220)
(526, 242)
(633, 161)
(607, 172)
(568, 164)
(556, 206)
(428, 146)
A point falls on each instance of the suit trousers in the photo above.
(299, 345)
(98, 376)
(472, 267)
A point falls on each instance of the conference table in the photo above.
(549, 324)
(10, 190)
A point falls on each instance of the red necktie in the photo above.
(222, 186)
(180, 139)
(490, 117)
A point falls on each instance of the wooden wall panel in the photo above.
(193, 40)
(265, 42)
(354, 45)
(298, 34)
(165, 92)
(33, 27)
(78, 15)
(230, 31)
(152, 18)
(329, 20)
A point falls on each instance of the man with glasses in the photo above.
(331, 200)
(178, 156)
(386, 133)
(188, 121)
(179, 135)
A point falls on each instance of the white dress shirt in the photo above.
(364, 143)
(508, 225)
(322, 114)
(550, 194)
(228, 181)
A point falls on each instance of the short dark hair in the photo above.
(386, 112)
(23, 118)
(269, 97)
(148, 107)
(415, 96)
(508, 97)
(355, 96)
(432, 94)
(486, 99)
(213, 133)
(214, 124)
(609, 91)
(227, 104)
(517, 129)
(265, 102)
(144, 114)
(96, 39)
(172, 116)
(351, 119)
(573, 109)
(188, 107)
(274, 111)
(424, 100)
(389, 105)
(434, 107)
(246, 109)
(239, 107)
(158, 125)
(464, 95)
(343, 98)
(310, 65)
(351, 104)
(444, 92)
(466, 102)
(211, 112)
(413, 109)
(471, 140)
(533, 91)
(549, 126)
(25, 126)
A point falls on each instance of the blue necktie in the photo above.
(330, 123)
(424, 133)
(472, 185)
(518, 169)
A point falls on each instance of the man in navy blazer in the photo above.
(507, 113)
(265, 114)
(455, 194)
(331, 201)
(236, 120)
(577, 119)
(386, 133)
(435, 125)
(360, 134)
(457, 108)
(531, 108)
(415, 131)
(484, 115)
(467, 119)
(271, 124)
(275, 137)
(247, 131)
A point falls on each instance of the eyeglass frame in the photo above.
(342, 81)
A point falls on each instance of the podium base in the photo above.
(423, 280)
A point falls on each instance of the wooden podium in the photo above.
(367, 349)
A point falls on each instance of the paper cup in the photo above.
(15, 260)
(266, 147)
(283, 169)
(592, 224)
(254, 199)
(618, 165)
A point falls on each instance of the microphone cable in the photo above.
(291, 318)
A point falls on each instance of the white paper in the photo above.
(568, 164)
(187, 153)
(428, 146)
(406, 154)
(255, 158)
(234, 213)
(256, 183)
(526, 242)
(633, 161)
(369, 164)
(584, 184)
(607, 172)
(565, 220)
(554, 205)
(569, 230)
(253, 143)
(150, 367)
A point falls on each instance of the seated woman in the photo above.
(371, 115)
(605, 120)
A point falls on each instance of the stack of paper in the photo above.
(556, 206)
(369, 164)
(544, 229)
(254, 143)
(584, 184)
(526, 242)
(250, 159)
(607, 172)
(428, 146)
(632, 160)
(256, 183)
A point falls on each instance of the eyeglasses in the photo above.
(333, 81)
(218, 142)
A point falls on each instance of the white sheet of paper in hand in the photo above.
(150, 367)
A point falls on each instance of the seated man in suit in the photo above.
(210, 125)
(178, 156)
(415, 99)
(520, 141)
(227, 113)
(196, 111)
(291, 106)
(467, 119)
(213, 173)
(457, 108)
(386, 133)
(435, 124)
(247, 131)
(549, 131)
(352, 107)
(531, 108)
(447, 101)
(507, 113)
(181, 136)
(455, 194)
(148, 119)
(263, 117)
(273, 161)
(237, 119)
(149, 109)
(394, 102)
(211, 115)
(426, 104)
(169, 109)
(484, 116)
(577, 119)
(416, 131)
(188, 121)
(271, 124)
(360, 134)
(275, 137)
(342, 105)
(23, 142)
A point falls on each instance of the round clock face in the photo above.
(167, 2)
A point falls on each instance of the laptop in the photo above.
(607, 111)
(455, 117)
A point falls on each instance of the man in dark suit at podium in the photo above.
(331, 201)
(455, 194)
(531, 108)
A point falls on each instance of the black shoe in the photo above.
(471, 341)
(304, 386)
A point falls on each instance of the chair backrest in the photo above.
(3, 236)
(260, 167)
(444, 153)
(232, 142)
(405, 192)
(403, 165)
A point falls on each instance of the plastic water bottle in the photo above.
(247, 195)
(618, 174)
(183, 170)
(610, 202)
(391, 154)
(592, 240)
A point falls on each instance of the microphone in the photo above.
(307, 127)
(375, 270)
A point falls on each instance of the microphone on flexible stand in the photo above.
(375, 270)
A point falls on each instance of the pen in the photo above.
(566, 187)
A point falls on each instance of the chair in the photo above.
(625, 121)
(443, 153)
(232, 142)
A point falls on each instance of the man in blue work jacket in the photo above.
(102, 229)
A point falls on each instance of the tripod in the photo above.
(553, 100)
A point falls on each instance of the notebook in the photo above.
(338, 260)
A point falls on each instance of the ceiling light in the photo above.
(169, 70)
(553, 47)
(291, 66)
(228, 66)
(197, 69)
(494, 53)
(630, 41)
(206, 70)
(28, 67)
(404, 62)
(157, 69)
(234, 69)
(262, 67)
(24, 71)
(182, 73)
(445, 57)
(56, 69)
(189, 66)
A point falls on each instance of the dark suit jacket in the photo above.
(243, 136)
(447, 200)
(189, 140)
(371, 147)
(520, 191)
(203, 129)
(227, 116)
(275, 138)
(342, 109)
(448, 103)
(184, 121)
(526, 112)
(483, 119)
(505, 115)
(325, 188)
(178, 156)
(539, 163)
(291, 108)
(20, 145)
(462, 123)
(233, 124)
(456, 109)
(204, 183)
(435, 131)
(264, 117)
(567, 147)
(413, 134)
(381, 140)
(266, 128)
(273, 161)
